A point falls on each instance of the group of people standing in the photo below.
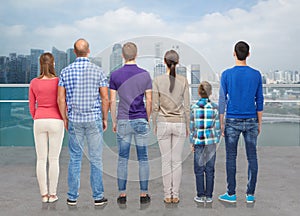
(80, 99)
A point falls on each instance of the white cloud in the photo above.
(271, 27)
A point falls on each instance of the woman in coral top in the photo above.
(48, 127)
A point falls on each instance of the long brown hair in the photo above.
(47, 65)
(171, 59)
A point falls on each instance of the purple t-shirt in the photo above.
(131, 82)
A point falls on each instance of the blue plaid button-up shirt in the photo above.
(204, 123)
(82, 80)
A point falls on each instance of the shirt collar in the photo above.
(82, 59)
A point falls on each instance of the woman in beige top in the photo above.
(171, 113)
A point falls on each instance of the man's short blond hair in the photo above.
(129, 51)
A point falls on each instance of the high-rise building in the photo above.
(3, 65)
(195, 81)
(181, 70)
(159, 69)
(70, 56)
(34, 62)
(116, 61)
(60, 58)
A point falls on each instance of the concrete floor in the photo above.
(277, 191)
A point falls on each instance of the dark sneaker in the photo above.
(71, 202)
(145, 199)
(100, 202)
(121, 199)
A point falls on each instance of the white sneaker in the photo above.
(199, 199)
(209, 199)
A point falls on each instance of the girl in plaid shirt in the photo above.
(204, 136)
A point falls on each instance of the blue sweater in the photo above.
(241, 92)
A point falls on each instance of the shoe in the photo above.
(52, 198)
(121, 200)
(250, 198)
(175, 200)
(71, 202)
(100, 202)
(167, 200)
(145, 199)
(227, 198)
(45, 198)
(209, 199)
(199, 199)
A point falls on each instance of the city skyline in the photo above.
(210, 27)
(20, 68)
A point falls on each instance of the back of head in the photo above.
(129, 51)
(241, 50)
(171, 59)
(47, 65)
(81, 48)
(205, 89)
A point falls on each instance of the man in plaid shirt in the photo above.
(83, 93)
(204, 136)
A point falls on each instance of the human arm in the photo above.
(192, 129)
(155, 106)
(148, 95)
(62, 104)
(105, 105)
(113, 109)
(222, 125)
(259, 118)
(186, 98)
(32, 101)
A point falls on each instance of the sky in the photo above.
(271, 27)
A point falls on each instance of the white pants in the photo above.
(45, 130)
(171, 138)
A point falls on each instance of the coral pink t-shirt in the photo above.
(43, 99)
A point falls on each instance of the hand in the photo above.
(222, 130)
(114, 127)
(155, 130)
(66, 124)
(104, 124)
(187, 132)
(192, 148)
(259, 128)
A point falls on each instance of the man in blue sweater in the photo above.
(241, 96)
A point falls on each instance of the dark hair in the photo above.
(47, 65)
(205, 89)
(81, 47)
(129, 51)
(171, 59)
(242, 50)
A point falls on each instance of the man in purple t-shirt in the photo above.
(132, 84)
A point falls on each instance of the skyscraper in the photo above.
(70, 56)
(34, 62)
(181, 70)
(60, 58)
(116, 61)
(195, 81)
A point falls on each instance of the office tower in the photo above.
(115, 58)
(158, 50)
(3, 63)
(96, 61)
(60, 58)
(181, 70)
(159, 69)
(34, 63)
(12, 66)
(195, 81)
(70, 56)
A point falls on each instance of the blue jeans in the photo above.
(93, 132)
(204, 167)
(233, 129)
(139, 129)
